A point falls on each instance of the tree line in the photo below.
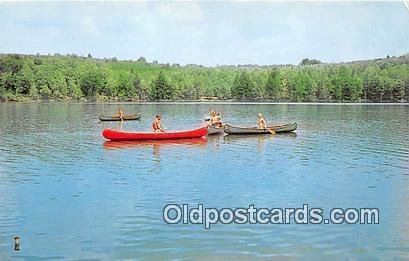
(57, 77)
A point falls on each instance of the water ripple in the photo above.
(60, 183)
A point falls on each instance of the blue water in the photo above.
(69, 194)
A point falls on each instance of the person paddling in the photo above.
(120, 114)
(157, 124)
(215, 119)
(261, 122)
(208, 118)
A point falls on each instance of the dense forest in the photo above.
(69, 77)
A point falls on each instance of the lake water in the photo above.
(69, 194)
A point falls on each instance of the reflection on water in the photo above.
(258, 137)
(153, 143)
(262, 142)
(70, 194)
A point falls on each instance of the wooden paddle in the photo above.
(271, 131)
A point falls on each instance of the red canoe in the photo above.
(116, 135)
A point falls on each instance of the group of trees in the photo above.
(34, 77)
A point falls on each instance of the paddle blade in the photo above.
(271, 131)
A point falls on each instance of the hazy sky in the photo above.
(208, 33)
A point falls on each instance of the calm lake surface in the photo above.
(69, 194)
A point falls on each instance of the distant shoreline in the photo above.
(70, 79)
(207, 102)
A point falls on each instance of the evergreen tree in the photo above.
(272, 86)
(61, 77)
(243, 86)
(161, 89)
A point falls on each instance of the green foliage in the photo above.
(243, 86)
(45, 92)
(372, 79)
(126, 88)
(93, 82)
(141, 60)
(161, 89)
(345, 86)
(272, 86)
(300, 83)
(24, 80)
(307, 61)
(72, 77)
(11, 63)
